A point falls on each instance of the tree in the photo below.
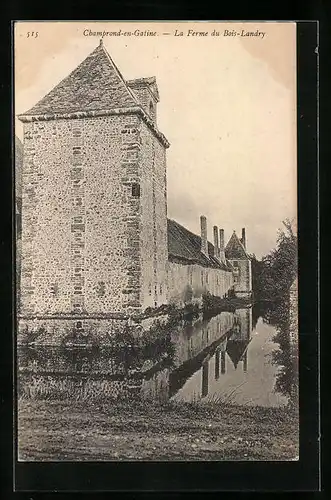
(274, 274)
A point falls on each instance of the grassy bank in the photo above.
(53, 430)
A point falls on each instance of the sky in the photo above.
(227, 106)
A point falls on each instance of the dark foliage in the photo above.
(287, 383)
(274, 273)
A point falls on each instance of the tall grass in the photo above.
(73, 389)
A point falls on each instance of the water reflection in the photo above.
(283, 318)
(244, 357)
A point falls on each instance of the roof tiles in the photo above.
(96, 84)
(186, 246)
(235, 249)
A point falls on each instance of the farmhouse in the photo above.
(96, 242)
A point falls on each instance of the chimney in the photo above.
(243, 237)
(204, 241)
(216, 247)
(222, 252)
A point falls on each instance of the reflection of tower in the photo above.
(223, 362)
(238, 342)
(217, 364)
(205, 373)
(245, 321)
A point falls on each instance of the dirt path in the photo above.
(82, 431)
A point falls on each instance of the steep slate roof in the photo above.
(186, 246)
(235, 249)
(96, 84)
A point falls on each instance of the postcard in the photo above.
(156, 241)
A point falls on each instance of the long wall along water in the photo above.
(233, 357)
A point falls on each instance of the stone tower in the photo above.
(235, 252)
(94, 212)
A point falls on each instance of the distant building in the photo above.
(96, 240)
(235, 252)
(195, 266)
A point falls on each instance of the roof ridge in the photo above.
(188, 231)
(234, 239)
(102, 47)
(143, 79)
(103, 69)
(190, 247)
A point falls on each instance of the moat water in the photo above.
(244, 357)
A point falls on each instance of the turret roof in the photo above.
(235, 249)
(96, 84)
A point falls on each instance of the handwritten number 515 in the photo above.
(32, 34)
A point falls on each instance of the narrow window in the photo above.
(101, 288)
(136, 190)
(79, 325)
(151, 108)
(235, 263)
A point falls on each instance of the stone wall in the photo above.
(153, 235)
(91, 187)
(58, 330)
(146, 100)
(46, 218)
(185, 277)
(243, 272)
(112, 242)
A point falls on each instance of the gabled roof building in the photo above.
(235, 252)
